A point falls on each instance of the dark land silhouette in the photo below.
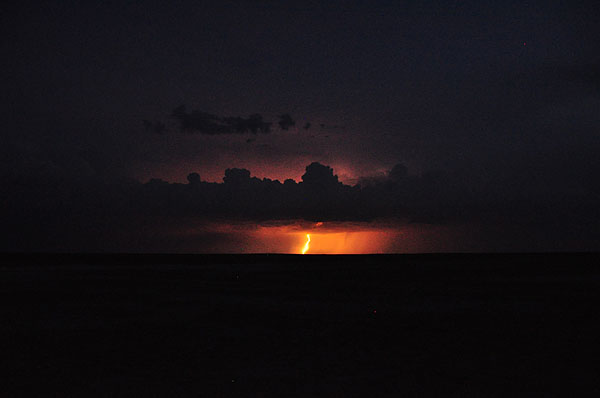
(284, 325)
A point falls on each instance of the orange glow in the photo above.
(306, 245)
(323, 238)
(296, 237)
(347, 242)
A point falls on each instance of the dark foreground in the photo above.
(287, 326)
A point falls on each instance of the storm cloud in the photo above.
(129, 215)
(480, 114)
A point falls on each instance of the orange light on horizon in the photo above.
(344, 242)
(325, 238)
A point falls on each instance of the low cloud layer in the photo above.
(48, 213)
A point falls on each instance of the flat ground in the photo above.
(286, 326)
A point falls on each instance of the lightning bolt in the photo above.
(307, 244)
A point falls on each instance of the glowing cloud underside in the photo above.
(307, 244)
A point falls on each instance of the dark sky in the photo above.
(492, 107)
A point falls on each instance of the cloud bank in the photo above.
(47, 212)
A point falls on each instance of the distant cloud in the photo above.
(286, 121)
(199, 122)
(206, 123)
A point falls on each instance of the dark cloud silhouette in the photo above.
(97, 214)
(206, 123)
(286, 121)
(193, 179)
(320, 176)
(236, 176)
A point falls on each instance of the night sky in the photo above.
(419, 126)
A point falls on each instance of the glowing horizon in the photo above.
(325, 238)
